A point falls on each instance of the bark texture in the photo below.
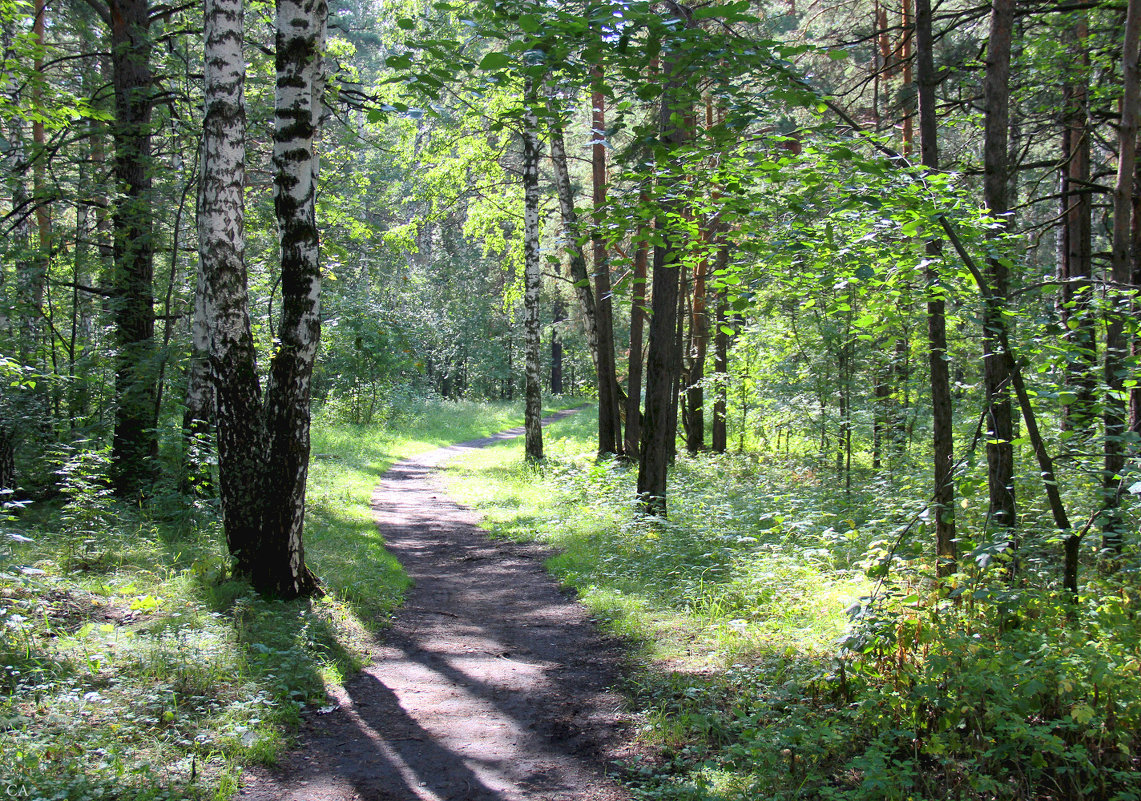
(996, 374)
(531, 277)
(300, 44)
(609, 415)
(943, 497)
(571, 232)
(224, 300)
(662, 358)
(135, 444)
(1075, 251)
(263, 448)
(1116, 343)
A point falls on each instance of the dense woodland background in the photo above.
(886, 254)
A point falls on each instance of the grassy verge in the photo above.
(754, 684)
(734, 603)
(133, 667)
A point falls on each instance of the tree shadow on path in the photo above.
(490, 686)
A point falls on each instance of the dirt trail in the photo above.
(491, 683)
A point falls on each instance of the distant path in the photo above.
(490, 685)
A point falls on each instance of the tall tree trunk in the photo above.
(1075, 265)
(558, 315)
(662, 359)
(299, 59)
(699, 325)
(720, 434)
(578, 272)
(135, 443)
(35, 278)
(1000, 428)
(263, 449)
(693, 387)
(1135, 392)
(241, 437)
(1116, 343)
(531, 275)
(609, 415)
(634, 378)
(943, 500)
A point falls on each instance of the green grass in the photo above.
(753, 682)
(133, 667)
(734, 604)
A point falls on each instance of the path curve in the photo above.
(491, 684)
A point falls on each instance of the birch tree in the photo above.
(531, 273)
(263, 447)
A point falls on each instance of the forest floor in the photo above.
(492, 682)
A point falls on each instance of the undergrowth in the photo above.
(133, 666)
(795, 645)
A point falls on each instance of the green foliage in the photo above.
(133, 667)
(758, 686)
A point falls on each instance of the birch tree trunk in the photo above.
(531, 274)
(300, 44)
(224, 299)
(263, 450)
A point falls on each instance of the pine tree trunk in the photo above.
(531, 277)
(943, 447)
(135, 444)
(1000, 427)
(1121, 272)
(1075, 262)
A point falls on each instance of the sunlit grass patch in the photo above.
(133, 667)
(734, 604)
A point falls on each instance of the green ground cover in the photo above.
(133, 667)
(764, 676)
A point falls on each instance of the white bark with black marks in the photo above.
(300, 84)
(531, 274)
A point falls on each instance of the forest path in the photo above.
(491, 684)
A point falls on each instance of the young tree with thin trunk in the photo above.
(531, 273)
(633, 431)
(609, 416)
(996, 378)
(943, 450)
(1075, 251)
(572, 233)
